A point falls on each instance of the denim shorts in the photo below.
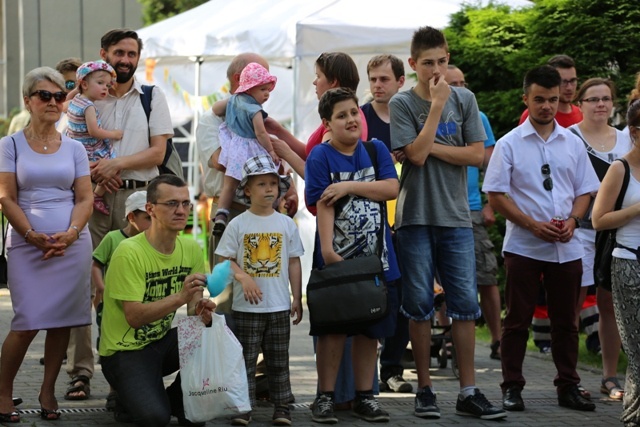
(423, 250)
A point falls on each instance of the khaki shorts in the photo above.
(486, 262)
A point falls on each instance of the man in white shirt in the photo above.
(540, 171)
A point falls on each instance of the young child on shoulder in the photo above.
(243, 134)
(139, 221)
(348, 187)
(94, 80)
(264, 247)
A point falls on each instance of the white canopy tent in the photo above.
(188, 54)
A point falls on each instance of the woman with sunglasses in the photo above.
(604, 143)
(45, 193)
(625, 267)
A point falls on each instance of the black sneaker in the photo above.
(399, 385)
(478, 406)
(322, 411)
(425, 404)
(368, 408)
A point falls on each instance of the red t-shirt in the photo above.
(316, 137)
(564, 119)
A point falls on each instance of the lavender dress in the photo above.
(54, 293)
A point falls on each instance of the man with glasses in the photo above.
(150, 276)
(482, 217)
(568, 113)
(539, 171)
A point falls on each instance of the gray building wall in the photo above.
(35, 33)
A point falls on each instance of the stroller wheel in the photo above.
(442, 354)
(454, 362)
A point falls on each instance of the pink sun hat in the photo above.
(254, 75)
(92, 66)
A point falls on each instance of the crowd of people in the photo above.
(83, 173)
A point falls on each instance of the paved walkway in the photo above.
(539, 395)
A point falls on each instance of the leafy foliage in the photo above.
(157, 10)
(495, 46)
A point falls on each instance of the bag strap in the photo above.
(599, 166)
(4, 230)
(625, 184)
(373, 155)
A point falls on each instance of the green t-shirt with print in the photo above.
(138, 272)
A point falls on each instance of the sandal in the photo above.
(78, 384)
(11, 417)
(220, 222)
(615, 392)
(48, 414)
(584, 392)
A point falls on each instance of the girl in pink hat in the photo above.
(94, 80)
(242, 135)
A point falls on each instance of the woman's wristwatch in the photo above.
(75, 227)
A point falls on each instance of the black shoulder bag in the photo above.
(353, 291)
(606, 241)
(4, 268)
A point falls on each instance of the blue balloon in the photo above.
(219, 278)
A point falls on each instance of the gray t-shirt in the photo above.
(436, 193)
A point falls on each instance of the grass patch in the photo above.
(585, 357)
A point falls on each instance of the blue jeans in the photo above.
(450, 251)
(137, 376)
(394, 346)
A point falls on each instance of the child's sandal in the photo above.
(220, 223)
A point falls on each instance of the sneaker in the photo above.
(368, 408)
(399, 385)
(425, 404)
(477, 405)
(241, 419)
(281, 416)
(545, 350)
(100, 205)
(322, 411)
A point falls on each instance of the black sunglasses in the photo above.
(70, 85)
(45, 96)
(548, 182)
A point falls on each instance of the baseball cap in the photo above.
(136, 201)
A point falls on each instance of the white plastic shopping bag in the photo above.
(214, 378)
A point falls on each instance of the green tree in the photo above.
(157, 10)
(495, 45)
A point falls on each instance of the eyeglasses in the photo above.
(572, 82)
(595, 99)
(460, 83)
(45, 96)
(173, 204)
(70, 85)
(546, 172)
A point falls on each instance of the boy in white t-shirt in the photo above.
(264, 247)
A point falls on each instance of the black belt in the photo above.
(132, 184)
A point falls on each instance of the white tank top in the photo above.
(629, 234)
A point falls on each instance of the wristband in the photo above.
(27, 233)
(577, 220)
(75, 227)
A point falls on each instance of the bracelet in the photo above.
(75, 227)
(27, 233)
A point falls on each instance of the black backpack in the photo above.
(172, 163)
